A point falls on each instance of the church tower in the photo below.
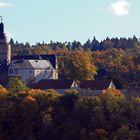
(5, 48)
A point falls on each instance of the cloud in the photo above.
(5, 4)
(120, 8)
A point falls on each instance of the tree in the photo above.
(79, 66)
(16, 86)
(3, 91)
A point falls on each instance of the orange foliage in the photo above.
(34, 92)
(3, 91)
(29, 99)
(111, 91)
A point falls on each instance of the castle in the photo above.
(30, 68)
(5, 49)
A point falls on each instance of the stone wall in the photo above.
(131, 91)
(5, 53)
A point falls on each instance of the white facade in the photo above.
(32, 70)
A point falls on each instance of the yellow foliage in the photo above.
(3, 91)
(80, 65)
(49, 94)
(34, 92)
(29, 99)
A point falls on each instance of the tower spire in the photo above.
(5, 49)
(2, 35)
(1, 19)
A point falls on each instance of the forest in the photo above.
(33, 114)
(119, 56)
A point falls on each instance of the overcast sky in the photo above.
(68, 20)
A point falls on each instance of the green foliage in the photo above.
(127, 132)
(48, 115)
(16, 86)
(68, 99)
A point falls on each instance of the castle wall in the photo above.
(5, 53)
(5, 48)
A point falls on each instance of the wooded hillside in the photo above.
(29, 114)
(121, 57)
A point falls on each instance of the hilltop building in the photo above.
(59, 85)
(5, 48)
(34, 67)
(5, 55)
(31, 68)
(97, 84)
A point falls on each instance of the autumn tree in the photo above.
(3, 91)
(79, 66)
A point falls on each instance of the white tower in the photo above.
(5, 48)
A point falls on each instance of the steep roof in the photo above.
(95, 84)
(40, 64)
(53, 84)
(28, 64)
(2, 35)
(21, 64)
(52, 58)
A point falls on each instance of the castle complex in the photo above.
(28, 68)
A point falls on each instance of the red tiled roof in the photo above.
(53, 84)
(95, 84)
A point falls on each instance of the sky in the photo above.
(68, 20)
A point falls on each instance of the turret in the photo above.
(2, 35)
(5, 48)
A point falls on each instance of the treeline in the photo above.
(92, 45)
(27, 114)
(120, 57)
